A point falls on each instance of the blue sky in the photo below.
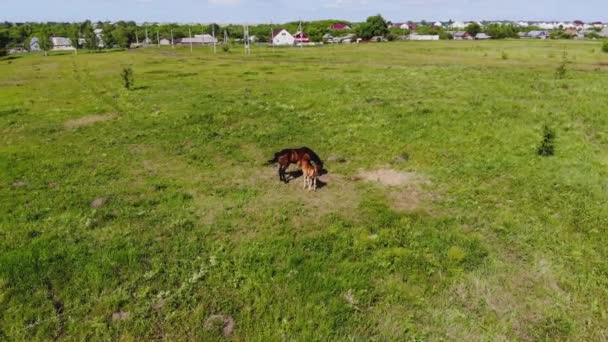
(258, 11)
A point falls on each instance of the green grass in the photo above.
(504, 244)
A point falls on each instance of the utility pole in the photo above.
(271, 37)
(190, 33)
(147, 40)
(157, 38)
(247, 39)
(213, 34)
(173, 47)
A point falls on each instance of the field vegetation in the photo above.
(148, 211)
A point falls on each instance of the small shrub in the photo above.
(547, 145)
(127, 77)
(504, 56)
(561, 70)
(605, 46)
(226, 48)
(3, 52)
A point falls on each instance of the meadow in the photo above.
(150, 213)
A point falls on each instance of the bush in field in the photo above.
(547, 145)
(127, 77)
(605, 46)
(2, 52)
(504, 55)
(226, 48)
(561, 70)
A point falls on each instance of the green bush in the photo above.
(547, 145)
(561, 70)
(605, 46)
(3, 52)
(226, 48)
(127, 77)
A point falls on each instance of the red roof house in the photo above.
(301, 38)
(340, 27)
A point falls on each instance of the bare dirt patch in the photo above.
(390, 177)
(88, 120)
(407, 189)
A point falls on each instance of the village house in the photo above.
(462, 35)
(415, 36)
(482, 36)
(536, 34)
(34, 45)
(282, 37)
(199, 39)
(61, 44)
(301, 38)
(338, 26)
(349, 38)
(458, 25)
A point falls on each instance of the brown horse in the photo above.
(290, 156)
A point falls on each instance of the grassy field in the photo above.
(150, 213)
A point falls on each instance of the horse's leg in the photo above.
(280, 173)
(314, 183)
(283, 169)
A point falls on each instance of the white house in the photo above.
(458, 25)
(437, 24)
(546, 26)
(62, 44)
(34, 45)
(165, 42)
(522, 24)
(199, 39)
(415, 36)
(282, 37)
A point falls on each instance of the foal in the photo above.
(310, 174)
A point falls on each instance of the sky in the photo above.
(277, 11)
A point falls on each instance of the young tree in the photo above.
(121, 37)
(473, 29)
(44, 41)
(374, 26)
(74, 36)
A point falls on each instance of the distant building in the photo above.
(347, 39)
(282, 37)
(462, 35)
(18, 49)
(61, 44)
(165, 42)
(199, 39)
(415, 36)
(482, 36)
(458, 25)
(34, 45)
(437, 24)
(535, 34)
(340, 27)
(301, 38)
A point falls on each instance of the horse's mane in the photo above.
(313, 156)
